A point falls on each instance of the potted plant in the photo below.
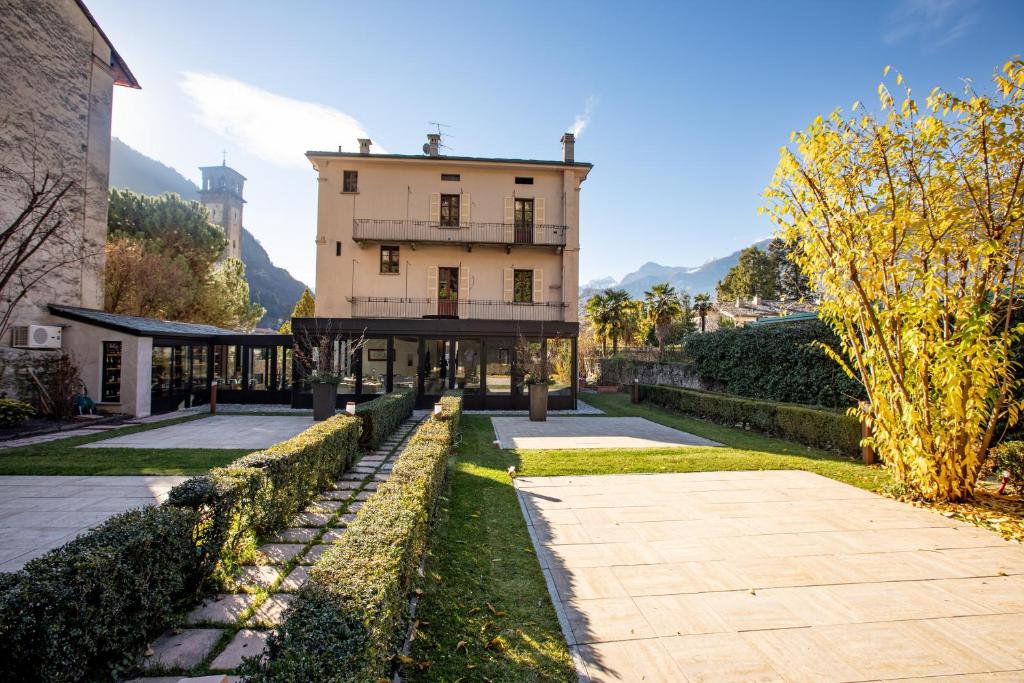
(325, 394)
(315, 352)
(536, 378)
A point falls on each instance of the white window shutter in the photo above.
(509, 285)
(465, 209)
(538, 221)
(435, 207)
(538, 286)
(463, 282)
(510, 217)
(431, 282)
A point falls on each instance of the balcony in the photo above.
(466, 309)
(468, 234)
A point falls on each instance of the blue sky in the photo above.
(682, 106)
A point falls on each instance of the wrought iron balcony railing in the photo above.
(467, 309)
(397, 230)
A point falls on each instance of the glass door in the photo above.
(448, 292)
(437, 368)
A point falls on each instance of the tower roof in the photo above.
(221, 170)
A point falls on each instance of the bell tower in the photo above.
(221, 193)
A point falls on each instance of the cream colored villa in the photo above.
(437, 272)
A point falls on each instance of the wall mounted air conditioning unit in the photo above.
(36, 337)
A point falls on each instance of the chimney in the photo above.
(432, 148)
(364, 145)
(568, 145)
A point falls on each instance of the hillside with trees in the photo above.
(270, 286)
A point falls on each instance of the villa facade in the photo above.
(437, 272)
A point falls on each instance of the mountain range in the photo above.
(693, 280)
(270, 286)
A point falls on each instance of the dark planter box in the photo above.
(325, 397)
(538, 402)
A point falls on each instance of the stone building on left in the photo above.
(58, 70)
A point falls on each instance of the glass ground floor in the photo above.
(490, 363)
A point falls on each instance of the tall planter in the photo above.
(325, 400)
(538, 402)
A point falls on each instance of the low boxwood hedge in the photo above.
(258, 493)
(382, 415)
(818, 427)
(82, 609)
(347, 622)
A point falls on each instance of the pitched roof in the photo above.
(143, 327)
(122, 74)
(442, 157)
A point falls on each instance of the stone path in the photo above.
(590, 432)
(771, 576)
(216, 431)
(40, 513)
(229, 626)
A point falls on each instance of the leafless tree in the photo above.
(40, 216)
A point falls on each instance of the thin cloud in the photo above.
(934, 22)
(583, 120)
(273, 127)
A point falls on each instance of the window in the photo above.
(523, 180)
(350, 181)
(450, 210)
(524, 213)
(337, 248)
(389, 259)
(451, 176)
(111, 390)
(522, 287)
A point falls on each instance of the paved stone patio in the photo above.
(590, 432)
(217, 431)
(771, 576)
(39, 513)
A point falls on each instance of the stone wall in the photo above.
(56, 92)
(623, 371)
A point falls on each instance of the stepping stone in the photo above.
(346, 485)
(314, 554)
(213, 678)
(388, 467)
(363, 470)
(371, 459)
(353, 477)
(353, 507)
(333, 535)
(324, 505)
(316, 519)
(347, 518)
(338, 495)
(257, 576)
(363, 495)
(221, 609)
(182, 650)
(155, 679)
(271, 612)
(381, 477)
(246, 643)
(296, 535)
(295, 579)
(371, 486)
(279, 553)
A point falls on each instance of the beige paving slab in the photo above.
(217, 431)
(590, 432)
(765, 576)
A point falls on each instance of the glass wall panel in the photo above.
(179, 368)
(161, 377)
(499, 366)
(199, 366)
(435, 364)
(406, 362)
(259, 368)
(560, 366)
(375, 366)
(284, 367)
(227, 368)
(467, 364)
(344, 365)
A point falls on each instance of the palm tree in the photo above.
(598, 313)
(662, 308)
(621, 309)
(702, 304)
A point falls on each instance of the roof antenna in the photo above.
(224, 157)
(441, 134)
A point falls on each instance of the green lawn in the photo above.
(485, 613)
(61, 456)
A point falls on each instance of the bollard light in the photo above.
(437, 409)
(350, 407)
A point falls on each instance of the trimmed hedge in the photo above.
(347, 622)
(820, 428)
(258, 493)
(83, 610)
(382, 415)
(774, 363)
(75, 612)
